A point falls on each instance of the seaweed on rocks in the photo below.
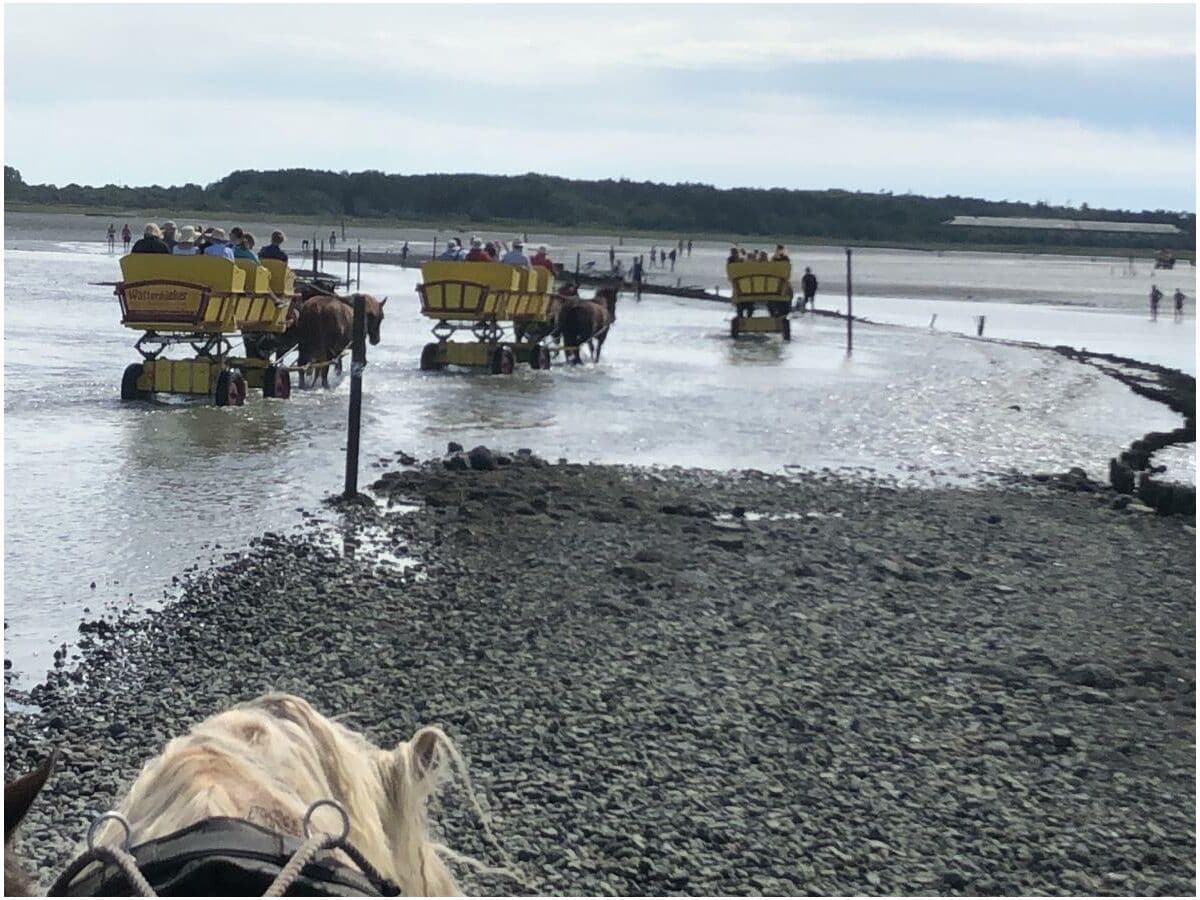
(678, 681)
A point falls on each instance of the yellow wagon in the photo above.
(201, 301)
(487, 299)
(761, 283)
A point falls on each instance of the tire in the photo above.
(733, 327)
(539, 358)
(429, 358)
(503, 362)
(129, 388)
(230, 390)
(787, 329)
(277, 383)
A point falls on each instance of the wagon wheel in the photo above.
(503, 362)
(539, 357)
(733, 327)
(277, 382)
(429, 358)
(129, 388)
(786, 331)
(230, 389)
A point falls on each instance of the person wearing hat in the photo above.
(218, 244)
(274, 250)
(516, 256)
(780, 254)
(168, 234)
(453, 250)
(186, 244)
(151, 241)
(542, 258)
(477, 253)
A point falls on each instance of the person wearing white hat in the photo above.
(186, 243)
(218, 245)
(516, 256)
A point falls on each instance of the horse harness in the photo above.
(224, 857)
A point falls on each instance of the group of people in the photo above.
(741, 254)
(1156, 297)
(192, 240)
(511, 253)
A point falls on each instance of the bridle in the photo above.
(227, 857)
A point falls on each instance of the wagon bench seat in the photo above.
(454, 291)
(759, 280)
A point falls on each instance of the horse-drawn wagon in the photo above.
(761, 283)
(488, 300)
(202, 302)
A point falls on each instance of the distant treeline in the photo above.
(683, 209)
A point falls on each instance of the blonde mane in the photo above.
(268, 760)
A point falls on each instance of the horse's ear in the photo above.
(382, 302)
(426, 748)
(20, 794)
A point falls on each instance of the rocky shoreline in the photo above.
(677, 681)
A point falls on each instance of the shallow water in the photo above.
(127, 495)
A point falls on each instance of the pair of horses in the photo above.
(270, 773)
(321, 329)
(580, 321)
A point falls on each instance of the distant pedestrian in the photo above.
(808, 286)
(637, 276)
(1155, 296)
(672, 254)
(112, 237)
(332, 240)
(1179, 298)
(126, 236)
(612, 257)
(689, 248)
(404, 253)
(653, 256)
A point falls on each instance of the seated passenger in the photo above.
(245, 248)
(542, 258)
(490, 249)
(151, 241)
(516, 256)
(274, 250)
(780, 254)
(477, 253)
(762, 256)
(452, 252)
(185, 242)
(734, 255)
(218, 245)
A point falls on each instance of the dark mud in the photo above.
(690, 682)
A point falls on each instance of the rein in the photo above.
(223, 856)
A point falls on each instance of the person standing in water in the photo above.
(1179, 298)
(126, 236)
(112, 237)
(1155, 296)
(808, 287)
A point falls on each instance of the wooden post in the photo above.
(979, 330)
(358, 361)
(358, 270)
(343, 229)
(849, 308)
(577, 268)
(348, 256)
(433, 252)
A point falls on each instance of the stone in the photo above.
(454, 447)
(481, 459)
(456, 462)
(1092, 674)
(1120, 476)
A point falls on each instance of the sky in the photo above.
(1063, 103)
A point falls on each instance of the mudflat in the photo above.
(685, 681)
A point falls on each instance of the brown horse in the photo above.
(325, 326)
(581, 321)
(19, 795)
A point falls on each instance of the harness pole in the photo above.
(358, 361)
(849, 308)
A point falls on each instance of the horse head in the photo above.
(19, 795)
(374, 309)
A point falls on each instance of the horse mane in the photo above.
(268, 760)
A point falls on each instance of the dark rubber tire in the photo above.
(129, 388)
(503, 361)
(239, 385)
(787, 329)
(539, 358)
(429, 358)
(277, 383)
(733, 327)
(225, 394)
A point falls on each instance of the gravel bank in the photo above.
(691, 682)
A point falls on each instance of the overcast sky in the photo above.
(1064, 103)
